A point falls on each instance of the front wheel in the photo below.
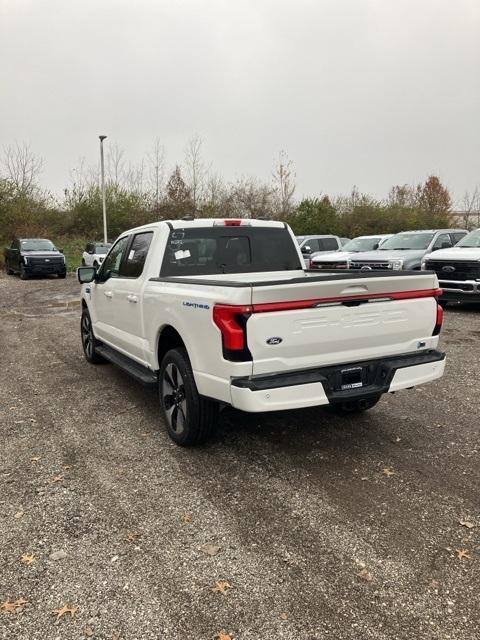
(89, 341)
(189, 417)
(351, 407)
(62, 275)
(23, 273)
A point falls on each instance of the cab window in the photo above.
(442, 241)
(111, 264)
(132, 266)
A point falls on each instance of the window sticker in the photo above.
(180, 255)
(131, 254)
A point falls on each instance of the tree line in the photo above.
(142, 193)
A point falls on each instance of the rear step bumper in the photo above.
(329, 385)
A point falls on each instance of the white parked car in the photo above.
(458, 269)
(95, 253)
(222, 312)
(339, 259)
(310, 245)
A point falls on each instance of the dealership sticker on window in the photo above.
(180, 255)
(131, 254)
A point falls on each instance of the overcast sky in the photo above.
(364, 92)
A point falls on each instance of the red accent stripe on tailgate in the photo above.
(306, 304)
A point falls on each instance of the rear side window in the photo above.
(215, 250)
(132, 267)
(456, 237)
(328, 244)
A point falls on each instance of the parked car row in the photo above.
(453, 254)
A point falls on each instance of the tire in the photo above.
(83, 262)
(89, 341)
(189, 417)
(23, 273)
(9, 271)
(95, 264)
(62, 276)
(354, 406)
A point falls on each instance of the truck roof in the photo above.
(210, 222)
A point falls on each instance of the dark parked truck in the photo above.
(34, 256)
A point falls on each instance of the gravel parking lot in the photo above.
(322, 527)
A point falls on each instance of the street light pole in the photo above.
(104, 202)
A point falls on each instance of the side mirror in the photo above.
(86, 274)
(306, 249)
(61, 250)
(375, 246)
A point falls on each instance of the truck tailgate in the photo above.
(301, 324)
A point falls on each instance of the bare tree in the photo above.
(284, 183)
(115, 164)
(252, 199)
(156, 166)
(195, 168)
(470, 213)
(22, 167)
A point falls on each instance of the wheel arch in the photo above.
(168, 338)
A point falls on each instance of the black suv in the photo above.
(34, 256)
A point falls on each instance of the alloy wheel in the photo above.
(174, 400)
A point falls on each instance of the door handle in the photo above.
(108, 294)
(132, 298)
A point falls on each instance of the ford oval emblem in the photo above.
(274, 340)
(448, 268)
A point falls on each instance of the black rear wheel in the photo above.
(351, 407)
(23, 273)
(89, 341)
(7, 269)
(189, 417)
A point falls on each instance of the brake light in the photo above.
(231, 222)
(232, 322)
(439, 321)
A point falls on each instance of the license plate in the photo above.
(351, 378)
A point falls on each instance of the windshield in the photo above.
(214, 250)
(471, 240)
(102, 249)
(361, 244)
(37, 245)
(407, 241)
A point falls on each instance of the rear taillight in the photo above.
(232, 322)
(439, 321)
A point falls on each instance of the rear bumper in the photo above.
(464, 290)
(320, 386)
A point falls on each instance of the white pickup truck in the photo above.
(222, 312)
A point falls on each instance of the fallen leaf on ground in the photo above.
(133, 536)
(63, 611)
(11, 607)
(388, 471)
(58, 555)
(116, 635)
(186, 518)
(434, 584)
(223, 635)
(284, 616)
(28, 559)
(18, 515)
(463, 553)
(35, 459)
(222, 586)
(210, 549)
(58, 478)
(365, 575)
(89, 632)
(466, 523)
